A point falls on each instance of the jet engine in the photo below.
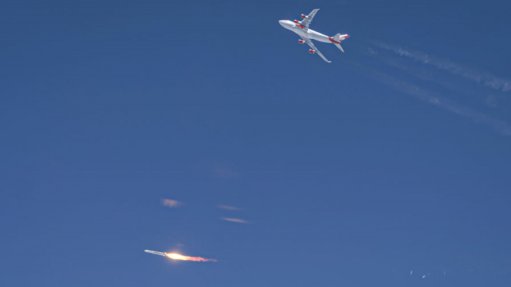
(303, 16)
(301, 41)
(312, 51)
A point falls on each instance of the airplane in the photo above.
(307, 35)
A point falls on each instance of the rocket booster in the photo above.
(156, 253)
(180, 257)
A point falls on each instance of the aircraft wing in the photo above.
(308, 19)
(309, 42)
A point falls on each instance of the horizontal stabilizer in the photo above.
(340, 47)
(338, 39)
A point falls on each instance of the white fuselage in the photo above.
(305, 33)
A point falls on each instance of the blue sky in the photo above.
(388, 165)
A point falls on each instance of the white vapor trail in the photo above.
(416, 91)
(235, 220)
(482, 78)
(422, 90)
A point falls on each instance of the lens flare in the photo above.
(181, 257)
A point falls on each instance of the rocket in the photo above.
(155, 252)
(180, 257)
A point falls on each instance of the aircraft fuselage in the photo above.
(305, 33)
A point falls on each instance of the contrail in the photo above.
(228, 207)
(501, 127)
(479, 77)
(172, 203)
(235, 220)
(424, 93)
(423, 74)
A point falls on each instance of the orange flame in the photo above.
(181, 257)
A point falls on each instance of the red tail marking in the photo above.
(333, 40)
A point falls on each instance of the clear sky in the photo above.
(388, 167)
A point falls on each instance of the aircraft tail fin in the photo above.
(339, 38)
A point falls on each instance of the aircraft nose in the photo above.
(285, 23)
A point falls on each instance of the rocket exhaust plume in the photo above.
(180, 257)
(177, 256)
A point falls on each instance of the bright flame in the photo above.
(181, 257)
